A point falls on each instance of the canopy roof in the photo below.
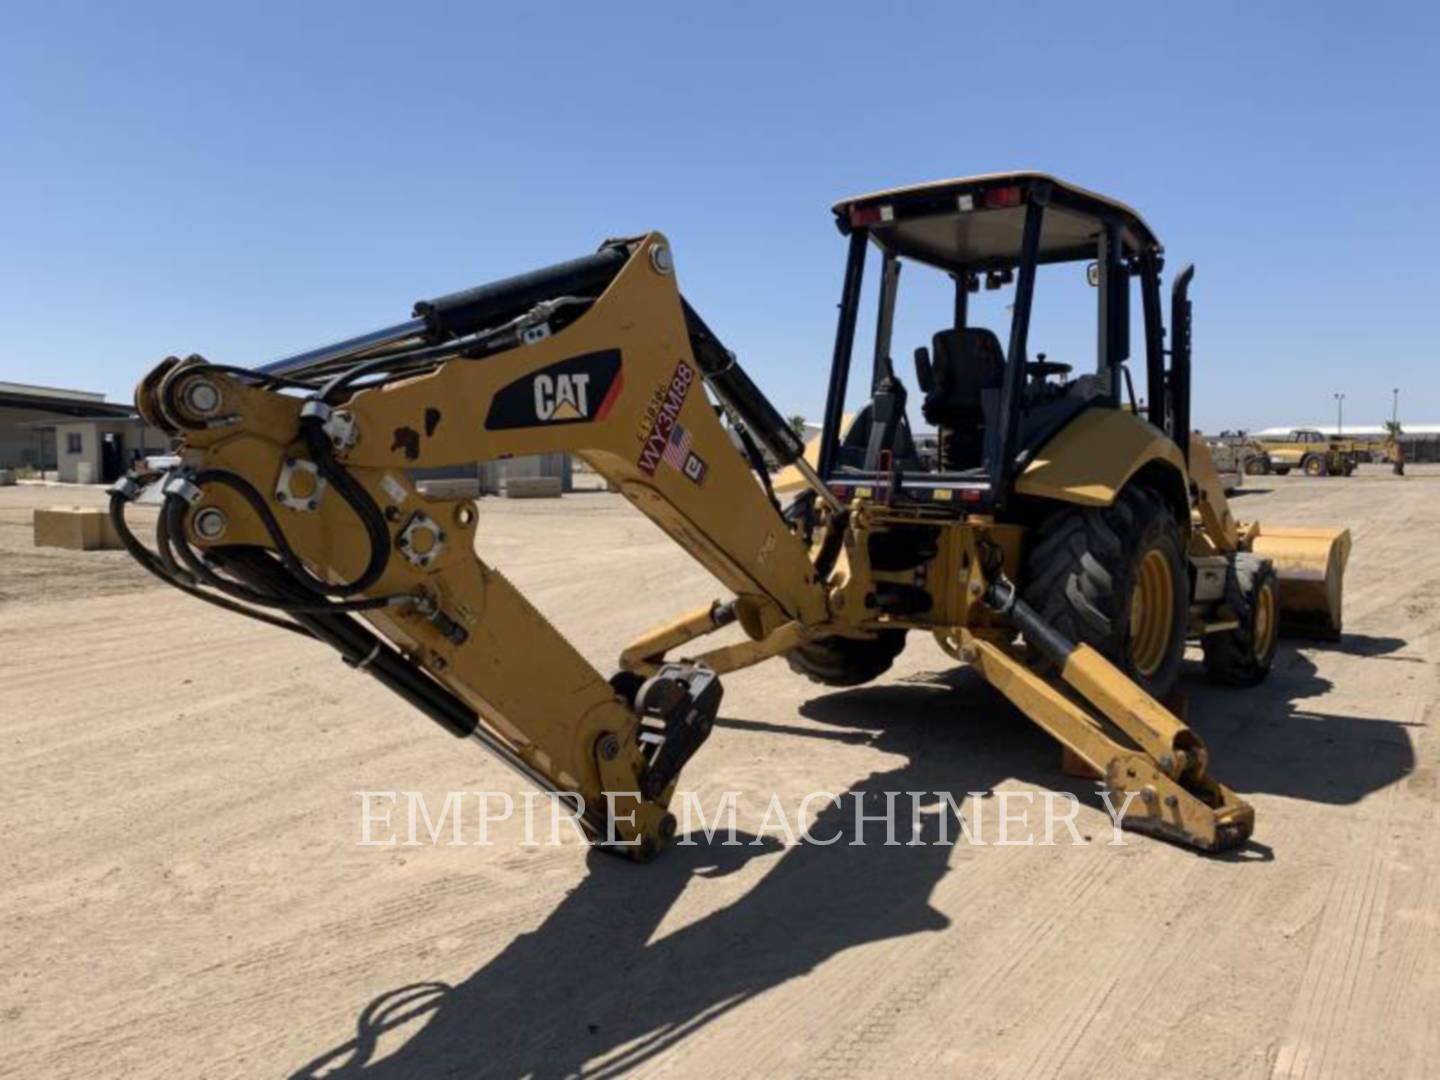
(976, 222)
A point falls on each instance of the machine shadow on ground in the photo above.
(589, 984)
(1265, 740)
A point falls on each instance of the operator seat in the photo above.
(967, 372)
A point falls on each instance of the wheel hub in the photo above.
(1152, 610)
(1265, 623)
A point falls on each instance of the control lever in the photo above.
(887, 410)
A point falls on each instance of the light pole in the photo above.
(1395, 409)
(1339, 414)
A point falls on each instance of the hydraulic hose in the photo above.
(148, 560)
(173, 525)
(312, 429)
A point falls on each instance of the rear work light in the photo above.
(871, 215)
(999, 198)
(994, 199)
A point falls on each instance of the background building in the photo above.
(74, 435)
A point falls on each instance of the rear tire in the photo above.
(1244, 656)
(842, 661)
(1083, 573)
(1314, 465)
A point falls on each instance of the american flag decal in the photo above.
(678, 447)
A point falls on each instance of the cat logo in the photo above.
(577, 390)
(562, 397)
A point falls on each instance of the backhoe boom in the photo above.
(283, 496)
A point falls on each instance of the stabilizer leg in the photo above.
(1201, 813)
(647, 655)
(1160, 782)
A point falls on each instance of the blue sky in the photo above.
(246, 180)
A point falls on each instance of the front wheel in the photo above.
(842, 661)
(1314, 465)
(1244, 656)
(1257, 466)
(1114, 578)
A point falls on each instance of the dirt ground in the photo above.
(183, 892)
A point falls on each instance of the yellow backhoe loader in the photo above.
(1066, 540)
(1312, 452)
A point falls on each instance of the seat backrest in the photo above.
(967, 362)
(966, 378)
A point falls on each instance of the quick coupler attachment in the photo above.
(677, 708)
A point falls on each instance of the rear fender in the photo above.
(1096, 454)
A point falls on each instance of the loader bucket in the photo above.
(1310, 563)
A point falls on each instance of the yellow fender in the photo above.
(1096, 454)
(1087, 462)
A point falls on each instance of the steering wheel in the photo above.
(1040, 368)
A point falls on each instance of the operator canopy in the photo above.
(976, 222)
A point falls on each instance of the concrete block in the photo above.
(461, 488)
(554, 464)
(490, 474)
(76, 528)
(533, 487)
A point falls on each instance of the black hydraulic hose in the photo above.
(262, 378)
(364, 651)
(286, 553)
(404, 363)
(409, 362)
(357, 645)
(330, 390)
(312, 429)
(173, 409)
(387, 369)
(166, 551)
(758, 466)
(172, 521)
(174, 524)
(149, 561)
(730, 383)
